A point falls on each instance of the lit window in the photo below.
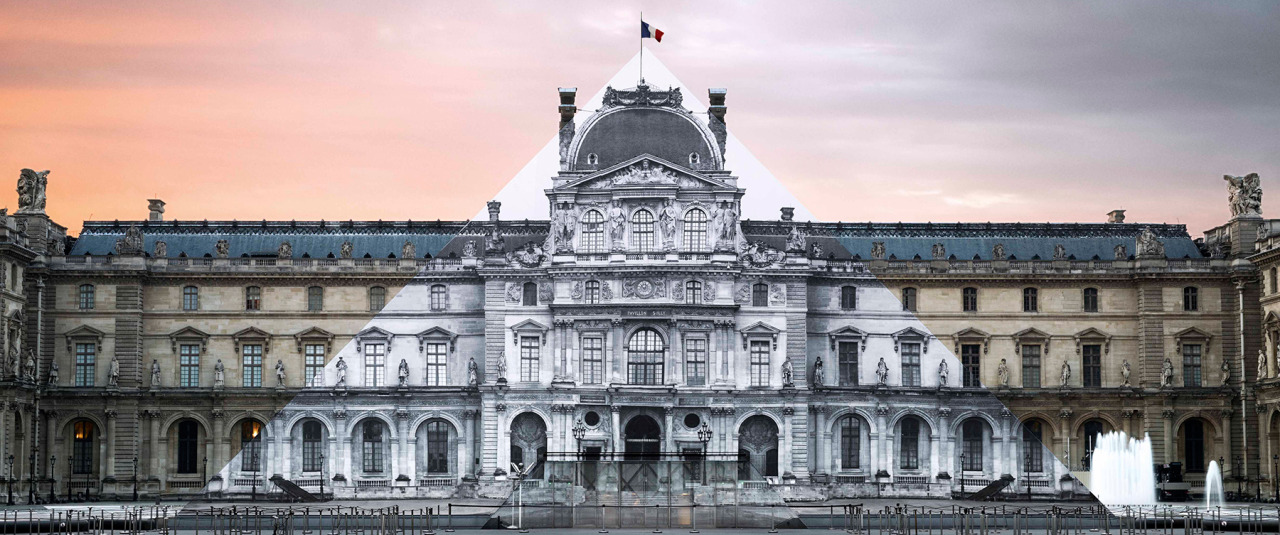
(250, 446)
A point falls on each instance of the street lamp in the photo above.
(70, 471)
(10, 479)
(31, 477)
(1026, 468)
(135, 478)
(579, 431)
(322, 476)
(1275, 483)
(704, 436)
(961, 475)
(53, 481)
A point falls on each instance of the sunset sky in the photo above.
(884, 111)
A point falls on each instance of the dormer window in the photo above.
(593, 159)
(694, 159)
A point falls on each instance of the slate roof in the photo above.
(377, 239)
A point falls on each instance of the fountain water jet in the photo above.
(1121, 470)
(1213, 494)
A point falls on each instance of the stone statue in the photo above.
(944, 373)
(939, 251)
(882, 372)
(1244, 194)
(469, 249)
(667, 218)
(155, 374)
(877, 250)
(1226, 372)
(222, 248)
(14, 368)
(285, 250)
(131, 243)
(341, 366)
(409, 251)
(1166, 373)
(818, 379)
(726, 219)
(1125, 372)
(1122, 252)
(795, 240)
(403, 373)
(113, 372)
(1059, 252)
(473, 372)
(997, 252)
(30, 369)
(161, 249)
(31, 186)
(502, 367)
(1002, 373)
(617, 226)
(53, 373)
(1148, 245)
(1066, 374)
(815, 250)
(494, 242)
(219, 375)
(280, 376)
(346, 249)
(564, 224)
(787, 371)
(566, 138)
(1262, 364)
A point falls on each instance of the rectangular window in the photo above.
(190, 298)
(1190, 299)
(1090, 299)
(850, 443)
(1030, 300)
(909, 299)
(848, 356)
(312, 440)
(592, 360)
(971, 361)
(189, 365)
(1191, 357)
(529, 358)
(87, 297)
(970, 299)
(760, 295)
(252, 374)
(910, 364)
(371, 447)
(1031, 437)
(909, 449)
(437, 355)
(437, 448)
(253, 298)
(848, 298)
(314, 354)
(315, 299)
(86, 355)
(377, 298)
(1091, 355)
(759, 363)
(695, 358)
(1031, 366)
(972, 448)
(375, 364)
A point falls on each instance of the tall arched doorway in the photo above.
(757, 449)
(642, 444)
(529, 443)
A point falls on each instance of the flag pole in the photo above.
(642, 48)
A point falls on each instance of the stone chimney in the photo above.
(1115, 216)
(788, 213)
(567, 109)
(715, 116)
(157, 209)
(495, 208)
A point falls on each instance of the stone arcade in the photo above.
(425, 359)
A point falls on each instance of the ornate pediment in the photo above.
(646, 171)
(313, 334)
(438, 334)
(911, 334)
(188, 334)
(848, 332)
(252, 334)
(972, 335)
(83, 332)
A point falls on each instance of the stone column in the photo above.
(616, 355)
(405, 456)
(881, 446)
(614, 412)
(51, 418)
(467, 466)
(674, 354)
(822, 439)
(1006, 458)
(110, 460)
(945, 450)
(157, 464)
(787, 440)
(1167, 422)
(1227, 414)
(277, 451)
(668, 432)
(338, 457)
(504, 437)
(216, 457)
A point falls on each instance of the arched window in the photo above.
(312, 446)
(695, 230)
(1274, 283)
(592, 239)
(1033, 446)
(437, 447)
(1092, 429)
(250, 446)
(190, 298)
(969, 299)
(850, 443)
(909, 444)
(645, 358)
(87, 296)
(315, 299)
(377, 298)
(972, 460)
(591, 292)
(439, 297)
(530, 294)
(909, 299)
(760, 294)
(1030, 300)
(848, 298)
(1090, 299)
(1190, 299)
(188, 446)
(253, 298)
(642, 231)
(371, 447)
(82, 448)
(693, 293)
(1193, 445)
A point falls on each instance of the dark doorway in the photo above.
(640, 454)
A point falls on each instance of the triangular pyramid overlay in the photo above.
(524, 198)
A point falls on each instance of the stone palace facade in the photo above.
(644, 318)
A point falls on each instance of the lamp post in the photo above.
(1275, 483)
(70, 470)
(135, 478)
(322, 476)
(53, 481)
(10, 479)
(31, 478)
(1026, 468)
(704, 436)
(579, 431)
(204, 468)
(961, 475)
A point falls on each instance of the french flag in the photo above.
(648, 32)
